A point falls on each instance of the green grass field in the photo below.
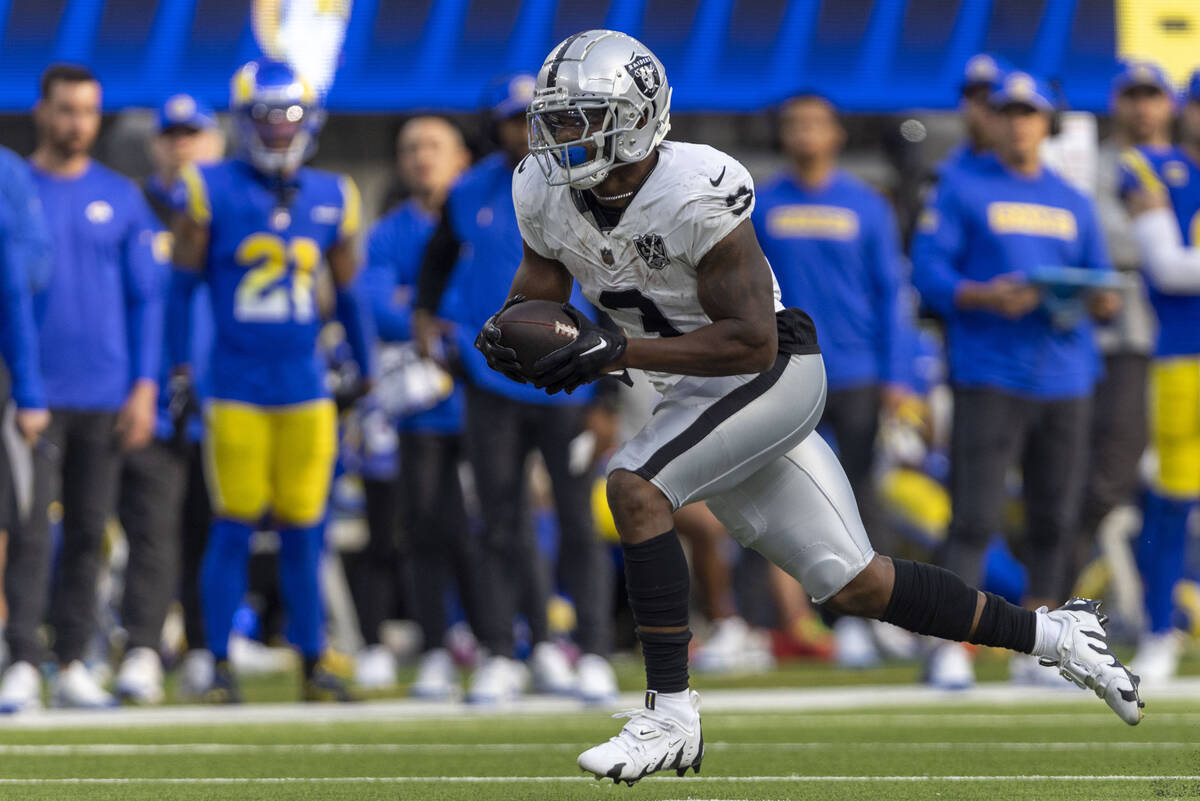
(1068, 749)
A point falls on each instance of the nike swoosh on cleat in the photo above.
(601, 345)
(717, 181)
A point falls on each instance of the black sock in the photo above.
(310, 666)
(1006, 626)
(656, 579)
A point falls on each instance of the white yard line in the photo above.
(755, 705)
(576, 779)
(168, 749)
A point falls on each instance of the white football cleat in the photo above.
(21, 689)
(497, 680)
(195, 673)
(654, 739)
(597, 682)
(75, 687)
(140, 677)
(853, 644)
(950, 667)
(1157, 657)
(552, 672)
(734, 647)
(375, 667)
(437, 678)
(1083, 656)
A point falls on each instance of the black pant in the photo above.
(853, 415)
(149, 506)
(500, 434)
(78, 460)
(375, 572)
(1118, 438)
(194, 523)
(1049, 439)
(438, 535)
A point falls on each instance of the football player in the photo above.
(1162, 189)
(658, 233)
(257, 228)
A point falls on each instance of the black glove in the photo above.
(583, 360)
(499, 358)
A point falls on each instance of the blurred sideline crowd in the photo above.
(1014, 391)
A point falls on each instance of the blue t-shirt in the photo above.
(24, 260)
(483, 219)
(1170, 168)
(988, 221)
(395, 249)
(835, 251)
(261, 270)
(100, 313)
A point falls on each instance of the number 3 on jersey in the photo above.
(265, 295)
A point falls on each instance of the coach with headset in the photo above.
(1022, 380)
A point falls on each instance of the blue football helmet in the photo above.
(278, 116)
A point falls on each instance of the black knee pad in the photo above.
(931, 600)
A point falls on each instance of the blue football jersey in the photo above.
(266, 243)
(1172, 171)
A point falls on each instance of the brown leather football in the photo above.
(535, 328)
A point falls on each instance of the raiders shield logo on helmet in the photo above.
(653, 250)
(645, 75)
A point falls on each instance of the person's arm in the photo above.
(437, 267)
(893, 348)
(378, 283)
(190, 234)
(343, 260)
(1170, 266)
(143, 326)
(736, 292)
(1103, 304)
(18, 332)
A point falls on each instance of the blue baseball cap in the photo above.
(983, 69)
(185, 111)
(1021, 88)
(1192, 93)
(1141, 73)
(509, 95)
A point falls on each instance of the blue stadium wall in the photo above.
(721, 55)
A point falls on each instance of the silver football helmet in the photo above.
(601, 100)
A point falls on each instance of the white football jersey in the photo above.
(643, 271)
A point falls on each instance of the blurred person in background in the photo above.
(981, 76)
(1162, 189)
(25, 252)
(833, 243)
(156, 478)
(431, 154)
(1022, 386)
(256, 228)
(99, 318)
(1142, 106)
(476, 249)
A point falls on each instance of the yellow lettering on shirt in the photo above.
(1032, 219)
(804, 221)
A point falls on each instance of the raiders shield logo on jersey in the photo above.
(645, 75)
(653, 250)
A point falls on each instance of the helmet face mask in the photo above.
(277, 117)
(595, 108)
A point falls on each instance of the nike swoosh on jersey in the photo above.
(717, 181)
(601, 345)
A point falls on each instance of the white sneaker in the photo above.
(894, 642)
(950, 667)
(1028, 670)
(1083, 656)
(498, 679)
(375, 667)
(21, 689)
(1157, 657)
(253, 658)
(853, 645)
(195, 673)
(140, 677)
(597, 682)
(437, 678)
(75, 687)
(654, 739)
(734, 647)
(551, 671)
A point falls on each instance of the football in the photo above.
(535, 328)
